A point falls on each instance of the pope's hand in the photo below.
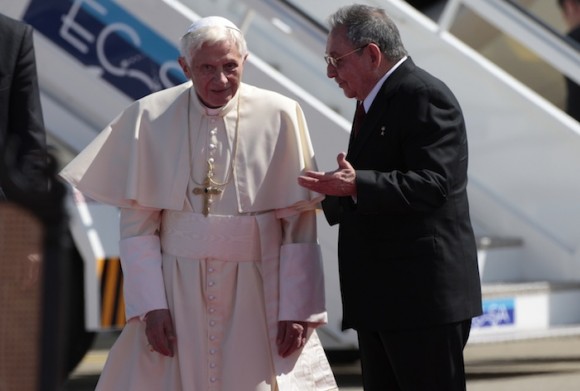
(159, 331)
(340, 182)
(291, 336)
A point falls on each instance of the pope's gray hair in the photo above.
(192, 41)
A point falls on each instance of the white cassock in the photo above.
(228, 277)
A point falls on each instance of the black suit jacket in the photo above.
(407, 253)
(22, 134)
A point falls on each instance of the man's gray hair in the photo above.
(365, 24)
(211, 34)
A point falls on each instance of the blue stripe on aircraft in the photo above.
(156, 47)
(109, 41)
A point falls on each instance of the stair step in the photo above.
(531, 309)
(520, 335)
(488, 242)
(499, 289)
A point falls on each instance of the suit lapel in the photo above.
(375, 120)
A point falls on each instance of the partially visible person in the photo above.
(22, 132)
(222, 271)
(28, 187)
(407, 253)
(571, 13)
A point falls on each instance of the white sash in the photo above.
(227, 238)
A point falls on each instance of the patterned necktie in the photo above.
(359, 117)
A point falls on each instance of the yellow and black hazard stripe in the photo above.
(112, 303)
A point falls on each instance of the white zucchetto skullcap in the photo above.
(211, 21)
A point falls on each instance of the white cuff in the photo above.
(143, 286)
(302, 283)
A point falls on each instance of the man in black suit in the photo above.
(407, 253)
(571, 13)
(22, 133)
(28, 181)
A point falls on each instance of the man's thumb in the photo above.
(341, 160)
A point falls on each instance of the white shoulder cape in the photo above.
(142, 157)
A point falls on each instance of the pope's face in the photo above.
(216, 72)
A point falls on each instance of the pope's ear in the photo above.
(184, 67)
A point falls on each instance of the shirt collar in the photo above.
(373, 94)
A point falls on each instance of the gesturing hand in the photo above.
(340, 182)
(159, 332)
(291, 336)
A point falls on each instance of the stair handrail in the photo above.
(512, 19)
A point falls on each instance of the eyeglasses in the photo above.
(334, 61)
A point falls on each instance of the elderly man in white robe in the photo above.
(223, 276)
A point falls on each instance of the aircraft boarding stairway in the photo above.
(524, 151)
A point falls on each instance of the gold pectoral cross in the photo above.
(207, 191)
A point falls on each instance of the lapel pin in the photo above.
(383, 130)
